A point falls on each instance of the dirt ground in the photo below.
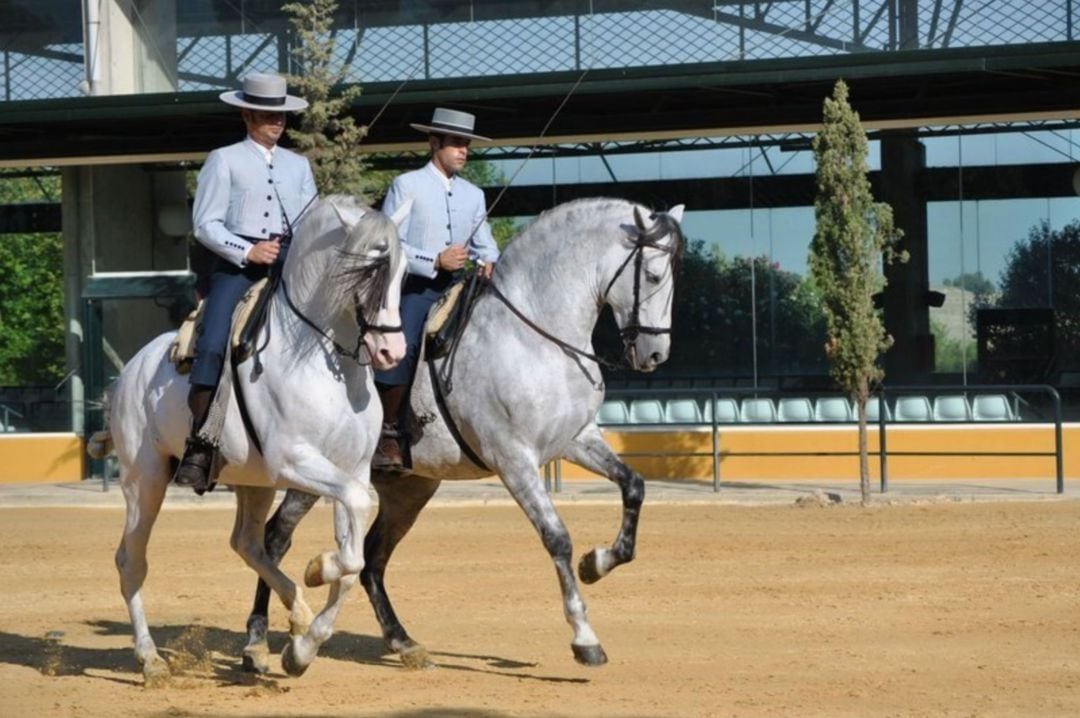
(940, 608)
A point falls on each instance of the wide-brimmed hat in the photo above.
(264, 91)
(450, 122)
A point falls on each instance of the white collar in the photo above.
(447, 181)
(267, 154)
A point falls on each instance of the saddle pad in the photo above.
(443, 309)
(243, 311)
(182, 349)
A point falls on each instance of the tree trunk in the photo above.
(862, 394)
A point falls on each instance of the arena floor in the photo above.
(929, 607)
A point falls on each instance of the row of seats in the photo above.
(757, 410)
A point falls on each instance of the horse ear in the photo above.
(399, 215)
(676, 212)
(638, 220)
(348, 216)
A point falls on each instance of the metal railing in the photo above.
(1047, 412)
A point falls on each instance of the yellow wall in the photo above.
(41, 458)
(782, 453)
(777, 453)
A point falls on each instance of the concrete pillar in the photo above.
(122, 218)
(907, 314)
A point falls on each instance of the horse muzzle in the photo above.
(646, 352)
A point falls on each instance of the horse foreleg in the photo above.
(278, 539)
(252, 506)
(401, 498)
(591, 451)
(525, 486)
(143, 493)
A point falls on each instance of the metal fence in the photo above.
(1031, 404)
(379, 41)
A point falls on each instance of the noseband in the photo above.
(663, 226)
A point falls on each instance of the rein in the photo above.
(630, 332)
(361, 324)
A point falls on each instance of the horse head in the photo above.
(641, 292)
(370, 273)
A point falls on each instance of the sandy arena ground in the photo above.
(927, 609)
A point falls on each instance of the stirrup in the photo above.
(196, 465)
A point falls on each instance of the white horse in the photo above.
(313, 411)
(525, 390)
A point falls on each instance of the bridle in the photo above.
(663, 226)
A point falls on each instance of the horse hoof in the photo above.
(313, 574)
(591, 568)
(415, 657)
(590, 655)
(256, 660)
(156, 673)
(289, 663)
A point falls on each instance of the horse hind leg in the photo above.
(401, 499)
(591, 451)
(143, 486)
(277, 541)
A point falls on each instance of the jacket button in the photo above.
(264, 230)
(266, 214)
(268, 198)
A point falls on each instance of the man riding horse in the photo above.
(249, 195)
(446, 227)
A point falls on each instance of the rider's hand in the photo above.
(264, 252)
(486, 271)
(452, 258)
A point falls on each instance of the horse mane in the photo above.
(365, 264)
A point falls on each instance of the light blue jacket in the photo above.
(440, 216)
(236, 196)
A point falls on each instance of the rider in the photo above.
(445, 227)
(248, 196)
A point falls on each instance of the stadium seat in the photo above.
(912, 408)
(727, 411)
(795, 409)
(646, 411)
(872, 405)
(612, 412)
(991, 407)
(832, 408)
(757, 411)
(951, 407)
(682, 411)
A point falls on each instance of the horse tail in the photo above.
(100, 443)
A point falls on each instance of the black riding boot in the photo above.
(194, 469)
(388, 454)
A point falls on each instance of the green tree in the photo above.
(853, 234)
(328, 135)
(31, 293)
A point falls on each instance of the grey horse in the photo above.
(522, 388)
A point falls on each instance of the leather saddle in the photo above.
(248, 320)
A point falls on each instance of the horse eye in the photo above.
(652, 278)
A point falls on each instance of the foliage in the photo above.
(949, 354)
(853, 234)
(973, 282)
(328, 136)
(1043, 270)
(31, 293)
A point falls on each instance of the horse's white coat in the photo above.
(315, 412)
